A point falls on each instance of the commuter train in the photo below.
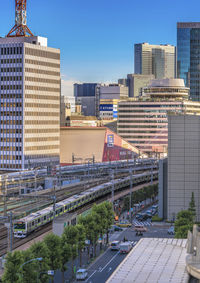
(28, 224)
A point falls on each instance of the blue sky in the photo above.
(96, 38)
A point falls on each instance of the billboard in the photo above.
(110, 140)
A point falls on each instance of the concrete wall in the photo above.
(162, 195)
(183, 163)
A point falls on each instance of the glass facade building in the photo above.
(188, 56)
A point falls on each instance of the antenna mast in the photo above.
(20, 28)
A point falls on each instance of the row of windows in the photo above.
(11, 104)
(11, 113)
(141, 131)
(143, 126)
(40, 88)
(41, 139)
(33, 131)
(149, 120)
(42, 114)
(148, 105)
(11, 70)
(11, 157)
(11, 50)
(41, 122)
(11, 140)
(15, 78)
(10, 148)
(42, 97)
(11, 166)
(43, 72)
(10, 95)
(11, 122)
(11, 131)
(41, 80)
(40, 105)
(146, 137)
(40, 63)
(42, 53)
(11, 61)
(133, 116)
(42, 147)
(10, 87)
(41, 156)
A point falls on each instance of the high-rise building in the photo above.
(157, 60)
(183, 164)
(144, 122)
(30, 103)
(136, 82)
(188, 56)
(85, 96)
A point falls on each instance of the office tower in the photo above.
(183, 164)
(157, 60)
(143, 122)
(85, 95)
(136, 82)
(188, 56)
(30, 103)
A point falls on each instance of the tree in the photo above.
(70, 237)
(53, 245)
(183, 223)
(29, 270)
(38, 250)
(109, 218)
(192, 208)
(65, 256)
(13, 262)
(81, 240)
(100, 219)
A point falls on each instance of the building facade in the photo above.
(144, 122)
(136, 82)
(188, 56)
(30, 103)
(183, 164)
(157, 60)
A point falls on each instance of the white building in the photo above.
(30, 103)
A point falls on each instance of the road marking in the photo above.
(90, 276)
(109, 261)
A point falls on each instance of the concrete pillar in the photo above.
(190, 243)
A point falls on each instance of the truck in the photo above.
(125, 247)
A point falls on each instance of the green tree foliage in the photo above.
(53, 244)
(70, 237)
(183, 223)
(192, 208)
(29, 269)
(101, 218)
(65, 256)
(13, 262)
(81, 240)
(109, 218)
(39, 250)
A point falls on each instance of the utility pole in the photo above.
(9, 226)
(113, 186)
(152, 172)
(60, 182)
(130, 195)
(5, 196)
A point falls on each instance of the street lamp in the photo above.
(34, 259)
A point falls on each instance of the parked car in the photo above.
(124, 223)
(81, 274)
(115, 245)
(125, 247)
(171, 231)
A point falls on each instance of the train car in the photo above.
(28, 224)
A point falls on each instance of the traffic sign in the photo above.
(50, 272)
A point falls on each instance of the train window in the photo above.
(39, 220)
(56, 211)
(66, 207)
(45, 217)
(32, 223)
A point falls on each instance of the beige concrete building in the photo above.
(183, 163)
(144, 122)
(30, 103)
(157, 60)
(136, 82)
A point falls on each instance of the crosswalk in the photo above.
(145, 223)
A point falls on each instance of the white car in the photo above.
(81, 274)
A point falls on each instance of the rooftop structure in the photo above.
(20, 28)
(144, 122)
(153, 260)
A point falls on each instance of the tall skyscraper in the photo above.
(188, 56)
(30, 103)
(157, 60)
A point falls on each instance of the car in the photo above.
(124, 224)
(81, 274)
(141, 216)
(117, 228)
(171, 231)
(115, 245)
(149, 213)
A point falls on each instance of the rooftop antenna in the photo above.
(20, 28)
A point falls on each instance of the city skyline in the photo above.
(96, 46)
